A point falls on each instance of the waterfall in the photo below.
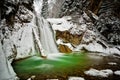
(45, 30)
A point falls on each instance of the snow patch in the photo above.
(117, 72)
(112, 63)
(60, 24)
(76, 78)
(52, 79)
(9, 10)
(99, 73)
(59, 41)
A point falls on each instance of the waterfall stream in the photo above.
(45, 30)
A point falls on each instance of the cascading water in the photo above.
(46, 34)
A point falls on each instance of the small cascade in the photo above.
(45, 31)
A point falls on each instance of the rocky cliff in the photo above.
(77, 25)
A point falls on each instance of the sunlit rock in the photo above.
(64, 49)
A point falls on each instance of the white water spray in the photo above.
(45, 30)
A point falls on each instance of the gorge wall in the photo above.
(77, 24)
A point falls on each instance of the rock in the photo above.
(64, 49)
(112, 63)
(117, 72)
(76, 78)
(6, 70)
(24, 15)
(67, 37)
(99, 73)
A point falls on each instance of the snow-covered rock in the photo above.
(60, 24)
(112, 63)
(80, 33)
(6, 70)
(76, 78)
(99, 73)
(117, 72)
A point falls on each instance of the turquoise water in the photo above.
(60, 65)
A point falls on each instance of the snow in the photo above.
(90, 38)
(114, 50)
(117, 72)
(6, 70)
(9, 10)
(93, 47)
(78, 29)
(60, 41)
(21, 39)
(60, 24)
(112, 63)
(32, 77)
(52, 79)
(76, 78)
(94, 16)
(99, 73)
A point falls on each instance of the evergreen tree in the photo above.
(44, 12)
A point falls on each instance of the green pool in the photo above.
(53, 65)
